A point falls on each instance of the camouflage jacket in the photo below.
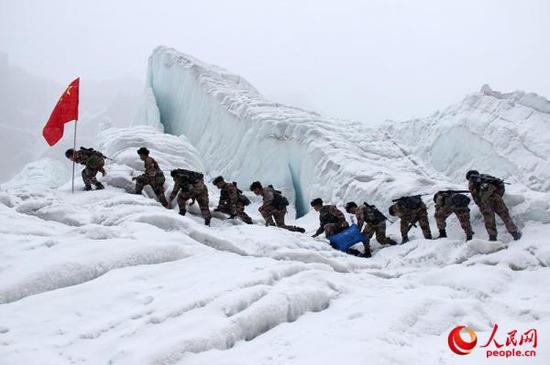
(482, 193)
(229, 195)
(152, 168)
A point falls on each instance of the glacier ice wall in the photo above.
(242, 135)
(246, 137)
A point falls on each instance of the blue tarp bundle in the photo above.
(348, 237)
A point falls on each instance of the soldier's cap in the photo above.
(69, 153)
(350, 205)
(471, 173)
(255, 185)
(217, 180)
(143, 151)
(316, 201)
(391, 210)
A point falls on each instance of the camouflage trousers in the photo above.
(493, 205)
(463, 215)
(89, 177)
(380, 231)
(239, 211)
(276, 217)
(158, 188)
(410, 217)
(333, 228)
(199, 193)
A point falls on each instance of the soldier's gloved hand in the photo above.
(134, 178)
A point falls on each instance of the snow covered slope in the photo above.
(107, 277)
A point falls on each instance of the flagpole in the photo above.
(74, 154)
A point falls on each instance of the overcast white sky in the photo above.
(366, 60)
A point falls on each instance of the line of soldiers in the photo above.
(486, 191)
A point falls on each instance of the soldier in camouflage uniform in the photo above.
(374, 219)
(333, 221)
(447, 203)
(411, 209)
(274, 206)
(153, 176)
(232, 201)
(487, 192)
(94, 162)
(190, 185)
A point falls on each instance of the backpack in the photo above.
(460, 200)
(412, 202)
(93, 159)
(192, 176)
(498, 183)
(242, 198)
(373, 215)
(279, 201)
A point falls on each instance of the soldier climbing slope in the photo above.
(274, 206)
(190, 185)
(411, 209)
(153, 176)
(448, 202)
(487, 192)
(232, 201)
(374, 221)
(94, 162)
(331, 219)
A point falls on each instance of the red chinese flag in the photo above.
(65, 111)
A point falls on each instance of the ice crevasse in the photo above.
(245, 137)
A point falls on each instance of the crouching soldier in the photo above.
(374, 221)
(411, 209)
(333, 221)
(94, 162)
(274, 206)
(487, 192)
(153, 176)
(190, 185)
(448, 202)
(232, 201)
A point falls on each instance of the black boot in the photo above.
(428, 236)
(516, 235)
(442, 233)
(207, 221)
(299, 229)
(99, 186)
(469, 236)
(87, 188)
(390, 242)
(183, 211)
(367, 250)
(405, 239)
(492, 237)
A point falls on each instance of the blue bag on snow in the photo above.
(348, 237)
